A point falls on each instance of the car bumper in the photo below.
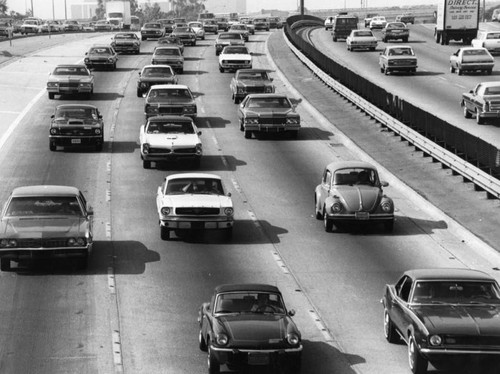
(444, 353)
(272, 128)
(93, 64)
(237, 356)
(69, 90)
(363, 45)
(401, 67)
(127, 48)
(235, 66)
(361, 217)
(195, 223)
(397, 36)
(169, 156)
(471, 67)
(40, 253)
(491, 114)
(65, 141)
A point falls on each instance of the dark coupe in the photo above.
(126, 42)
(249, 81)
(185, 34)
(75, 125)
(444, 316)
(154, 74)
(248, 324)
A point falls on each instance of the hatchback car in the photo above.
(351, 192)
(45, 222)
(398, 58)
(198, 29)
(471, 59)
(395, 31)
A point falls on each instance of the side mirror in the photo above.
(90, 210)
(159, 191)
(229, 194)
(52, 116)
(384, 183)
(291, 312)
(199, 133)
(86, 53)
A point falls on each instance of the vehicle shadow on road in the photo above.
(105, 96)
(211, 122)
(305, 133)
(324, 358)
(122, 147)
(126, 257)
(193, 72)
(209, 163)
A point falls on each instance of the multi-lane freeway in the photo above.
(134, 309)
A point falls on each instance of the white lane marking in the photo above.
(117, 352)
(111, 280)
(108, 230)
(279, 261)
(19, 118)
(321, 326)
(8, 112)
(108, 194)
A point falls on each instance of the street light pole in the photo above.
(32, 11)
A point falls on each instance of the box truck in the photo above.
(118, 14)
(456, 20)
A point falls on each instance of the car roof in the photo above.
(246, 287)
(172, 86)
(490, 84)
(71, 66)
(192, 175)
(448, 273)
(170, 118)
(76, 106)
(157, 66)
(252, 71)
(349, 164)
(45, 190)
(398, 46)
(270, 95)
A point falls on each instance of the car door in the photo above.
(399, 304)
(454, 58)
(383, 59)
(325, 187)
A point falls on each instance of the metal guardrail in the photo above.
(460, 166)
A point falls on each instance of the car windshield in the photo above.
(197, 24)
(236, 50)
(456, 292)
(363, 33)
(161, 94)
(157, 72)
(257, 75)
(249, 302)
(43, 206)
(170, 127)
(268, 102)
(182, 29)
(99, 51)
(352, 176)
(398, 25)
(167, 51)
(152, 26)
(238, 27)
(475, 52)
(125, 36)
(204, 186)
(400, 51)
(493, 90)
(69, 70)
(229, 36)
(67, 113)
(493, 35)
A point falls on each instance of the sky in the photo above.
(43, 8)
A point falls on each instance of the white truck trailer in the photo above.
(456, 20)
(118, 13)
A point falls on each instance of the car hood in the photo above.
(235, 56)
(168, 79)
(197, 200)
(69, 78)
(460, 319)
(42, 227)
(168, 58)
(358, 197)
(270, 111)
(253, 83)
(245, 329)
(172, 140)
(74, 122)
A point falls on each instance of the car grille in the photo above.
(403, 62)
(475, 342)
(42, 243)
(170, 110)
(495, 105)
(191, 150)
(272, 120)
(235, 62)
(198, 211)
(69, 84)
(76, 132)
(255, 89)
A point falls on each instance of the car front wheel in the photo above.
(164, 233)
(202, 342)
(452, 69)
(389, 330)
(213, 363)
(418, 363)
(327, 222)
(467, 114)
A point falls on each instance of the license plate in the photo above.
(76, 141)
(258, 359)
(362, 215)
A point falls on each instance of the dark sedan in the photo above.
(152, 30)
(185, 34)
(247, 81)
(249, 325)
(126, 42)
(443, 315)
(154, 74)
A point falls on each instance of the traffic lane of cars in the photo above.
(65, 298)
(426, 88)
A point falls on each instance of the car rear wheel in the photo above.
(390, 332)
(52, 146)
(221, 69)
(467, 114)
(213, 363)
(386, 70)
(139, 93)
(418, 363)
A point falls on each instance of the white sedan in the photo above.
(235, 57)
(361, 39)
(378, 22)
(487, 39)
(198, 29)
(193, 201)
(170, 138)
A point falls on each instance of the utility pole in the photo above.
(301, 7)
(65, 10)
(32, 11)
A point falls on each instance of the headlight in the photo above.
(292, 121)
(293, 339)
(337, 207)
(240, 90)
(435, 340)
(97, 131)
(152, 109)
(87, 60)
(111, 59)
(8, 243)
(75, 242)
(165, 211)
(52, 84)
(228, 211)
(387, 205)
(269, 89)
(85, 84)
(486, 106)
(199, 148)
(222, 339)
(145, 148)
(54, 131)
(190, 109)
